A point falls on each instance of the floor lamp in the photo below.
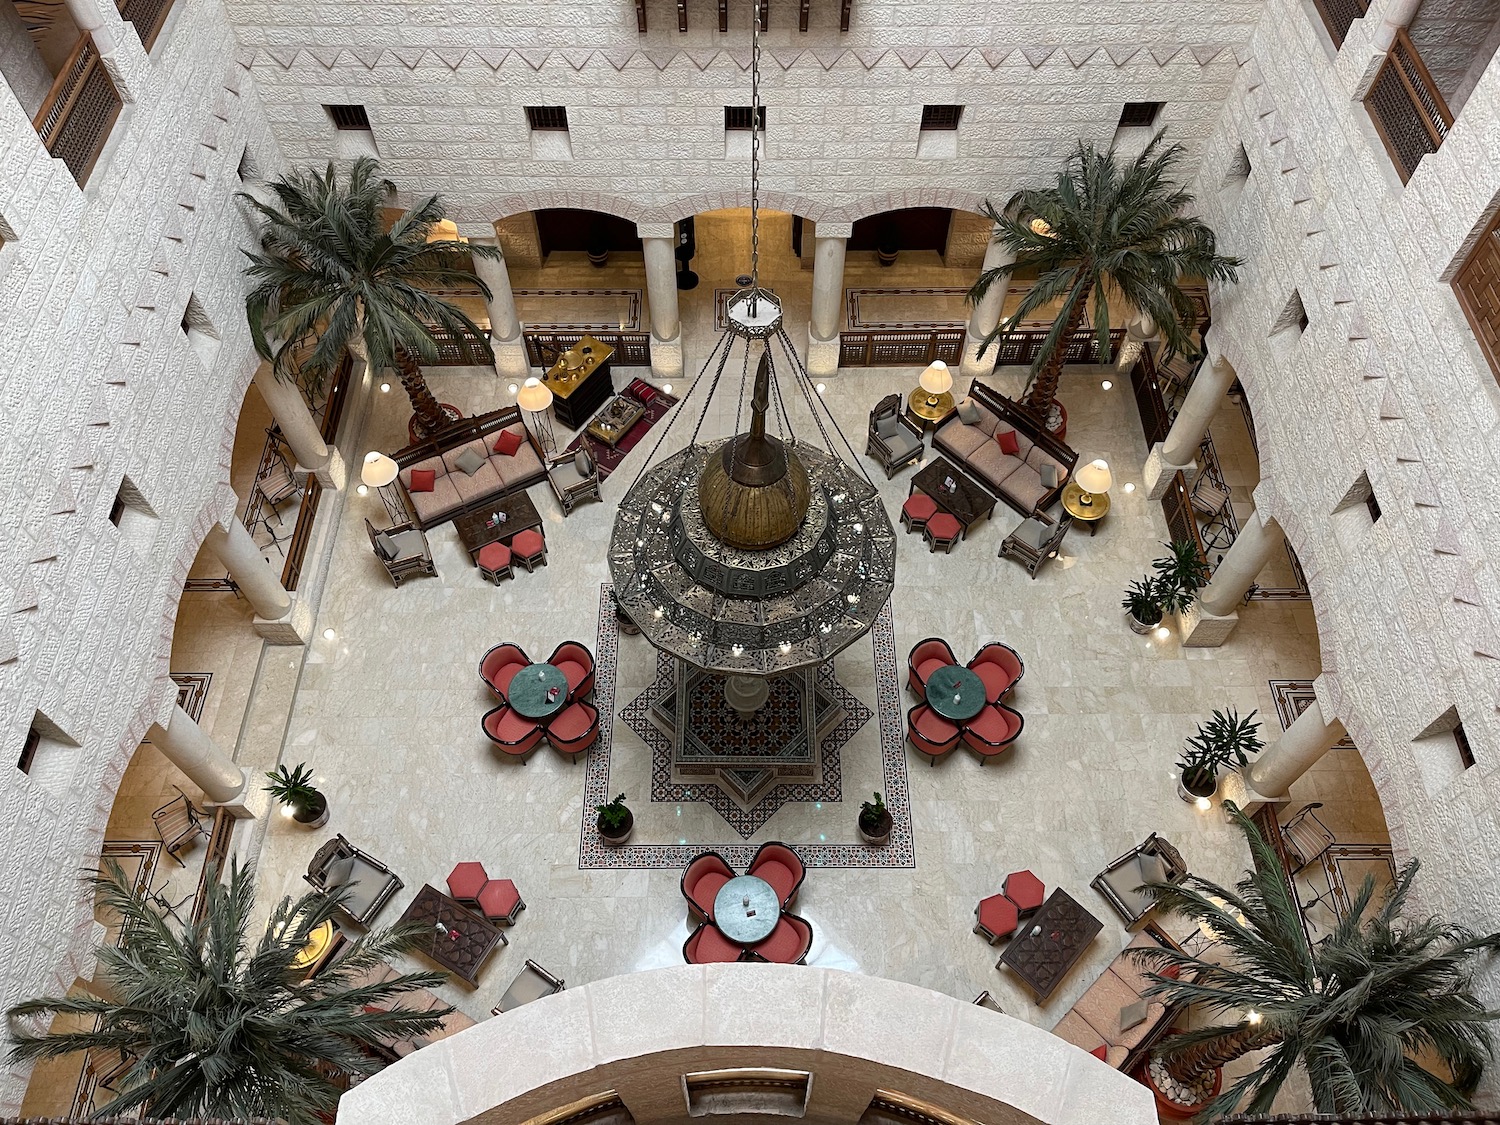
(535, 398)
(379, 472)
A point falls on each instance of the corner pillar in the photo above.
(1311, 735)
(300, 429)
(985, 316)
(827, 298)
(188, 747)
(506, 339)
(279, 617)
(659, 243)
(1179, 450)
(1215, 614)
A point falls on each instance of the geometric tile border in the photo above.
(192, 691)
(632, 317)
(899, 853)
(1292, 698)
(856, 320)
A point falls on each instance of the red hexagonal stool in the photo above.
(995, 918)
(466, 881)
(499, 901)
(1025, 890)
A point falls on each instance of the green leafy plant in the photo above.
(613, 816)
(1222, 740)
(1381, 1014)
(293, 787)
(872, 814)
(1143, 600)
(1180, 575)
(216, 1022)
(1109, 228)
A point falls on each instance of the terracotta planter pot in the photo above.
(1166, 1108)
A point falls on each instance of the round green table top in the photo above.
(746, 909)
(954, 692)
(527, 692)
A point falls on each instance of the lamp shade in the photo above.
(936, 379)
(534, 395)
(1094, 477)
(379, 470)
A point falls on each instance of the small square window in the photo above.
(1294, 315)
(941, 118)
(48, 756)
(541, 117)
(1372, 506)
(740, 116)
(348, 116)
(28, 752)
(1139, 114)
(1465, 751)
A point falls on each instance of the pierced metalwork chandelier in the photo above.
(760, 553)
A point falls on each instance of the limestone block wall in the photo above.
(445, 94)
(100, 385)
(1387, 381)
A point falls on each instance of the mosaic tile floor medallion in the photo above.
(743, 817)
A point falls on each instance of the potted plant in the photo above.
(1142, 604)
(1180, 575)
(616, 822)
(294, 789)
(1224, 739)
(875, 822)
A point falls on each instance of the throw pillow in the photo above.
(338, 873)
(507, 443)
(886, 426)
(385, 545)
(1008, 442)
(582, 462)
(1048, 473)
(968, 413)
(1152, 869)
(1132, 1014)
(645, 392)
(422, 480)
(1101, 1052)
(468, 462)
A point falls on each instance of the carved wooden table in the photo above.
(461, 955)
(1050, 943)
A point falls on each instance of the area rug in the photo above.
(900, 852)
(608, 457)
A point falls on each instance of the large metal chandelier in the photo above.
(760, 553)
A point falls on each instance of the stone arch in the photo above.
(721, 200)
(503, 207)
(956, 198)
(639, 1035)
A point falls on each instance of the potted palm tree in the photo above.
(218, 1019)
(294, 789)
(329, 279)
(1102, 230)
(1381, 1014)
(875, 822)
(1180, 574)
(1221, 741)
(1142, 605)
(615, 822)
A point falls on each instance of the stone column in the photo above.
(986, 315)
(1214, 615)
(1179, 450)
(276, 618)
(827, 299)
(505, 323)
(107, 27)
(188, 747)
(1311, 735)
(300, 429)
(659, 241)
(1138, 333)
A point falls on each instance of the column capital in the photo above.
(474, 230)
(833, 230)
(656, 230)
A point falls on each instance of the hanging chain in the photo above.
(755, 146)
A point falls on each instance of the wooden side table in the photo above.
(928, 417)
(1091, 514)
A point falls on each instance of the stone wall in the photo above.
(100, 384)
(1387, 381)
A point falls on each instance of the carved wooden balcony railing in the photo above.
(1339, 16)
(1409, 113)
(148, 16)
(79, 111)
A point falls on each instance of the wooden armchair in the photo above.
(894, 440)
(1034, 541)
(1153, 860)
(574, 477)
(402, 550)
(274, 478)
(532, 983)
(177, 825)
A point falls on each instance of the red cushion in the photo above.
(1007, 440)
(706, 889)
(1024, 889)
(503, 675)
(422, 480)
(494, 555)
(511, 726)
(928, 667)
(527, 543)
(994, 724)
(570, 724)
(572, 671)
(467, 880)
(498, 898)
(784, 945)
(507, 443)
(932, 726)
(781, 877)
(645, 392)
(995, 679)
(919, 506)
(1100, 1052)
(998, 915)
(712, 946)
(944, 526)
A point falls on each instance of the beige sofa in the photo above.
(1093, 1023)
(1015, 478)
(418, 1000)
(455, 492)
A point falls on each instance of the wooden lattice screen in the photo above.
(79, 111)
(148, 16)
(1339, 16)
(1478, 289)
(1409, 112)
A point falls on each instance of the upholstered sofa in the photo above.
(419, 1000)
(455, 491)
(1093, 1023)
(1016, 478)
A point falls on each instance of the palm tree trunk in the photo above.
(1043, 389)
(430, 415)
(1188, 1065)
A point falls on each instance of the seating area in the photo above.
(465, 466)
(993, 440)
(367, 883)
(996, 917)
(1112, 1020)
(746, 917)
(403, 550)
(540, 701)
(962, 704)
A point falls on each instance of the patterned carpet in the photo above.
(608, 457)
(900, 852)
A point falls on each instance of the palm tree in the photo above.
(1361, 1011)
(327, 272)
(1103, 230)
(218, 1028)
